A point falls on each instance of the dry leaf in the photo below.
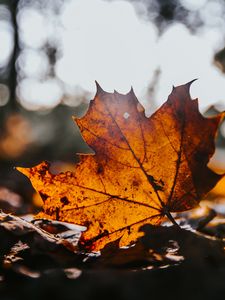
(143, 168)
(39, 242)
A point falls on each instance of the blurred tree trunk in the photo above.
(12, 75)
(8, 75)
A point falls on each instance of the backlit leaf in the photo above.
(142, 170)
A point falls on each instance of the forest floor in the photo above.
(40, 260)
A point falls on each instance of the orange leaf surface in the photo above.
(143, 168)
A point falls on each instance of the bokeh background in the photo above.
(51, 52)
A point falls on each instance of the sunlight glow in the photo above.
(118, 49)
(35, 94)
(33, 63)
(109, 42)
(6, 47)
(33, 27)
(188, 59)
(106, 42)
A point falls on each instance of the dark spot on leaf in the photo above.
(180, 114)
(100, 169)
(43, 196)
(135, 183)
(64, 200)
(57, 213)
(162, 182)
(48, 211)
(157, 185)
(43, 171)
(87, 223)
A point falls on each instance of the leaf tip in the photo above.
(41, 168)
(24, 171)
(131, 91)
(190, 83)
(187, 85)
(184, 88)
(98, 87)
(74, 118)
(117, 93)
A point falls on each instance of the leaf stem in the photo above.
(170, 217)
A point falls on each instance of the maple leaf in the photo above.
(142, 170)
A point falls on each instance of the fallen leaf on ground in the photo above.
(142, 170)
(14, 229)
(197, 249)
